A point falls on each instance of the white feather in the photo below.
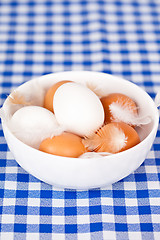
(4, 116)
(118, 139)
(2, 113)
(31, 139)
(157, 99)
(94, 88)
(122, 113)
(94, 154)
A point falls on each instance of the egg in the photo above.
(66, 145)
(31, 124)
(119, 108)
(113, 138)
(48, 98)
(78, 109)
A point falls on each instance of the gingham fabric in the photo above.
(120, 37)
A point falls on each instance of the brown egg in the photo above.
(113, 138)
(48, 99)
(126, 106)
(66, 145)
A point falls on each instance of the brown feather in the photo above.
(109, 139)
(16, 98)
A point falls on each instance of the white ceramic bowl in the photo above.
(79, 173)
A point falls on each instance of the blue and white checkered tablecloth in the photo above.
(120, 37)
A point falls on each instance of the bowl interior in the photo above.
(103, 83)
(82, 173)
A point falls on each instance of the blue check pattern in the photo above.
(120, 37)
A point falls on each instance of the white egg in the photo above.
(32, 124)
(78, 109)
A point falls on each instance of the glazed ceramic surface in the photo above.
(81, 173)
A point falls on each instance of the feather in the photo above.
(94, 88)
(38, 135)
(37, 94)
(2, 115)
(109, 139)
(59, 130)
(94, 154)
(122, 113)
(5, 115)
(157, 99)
(16, 98)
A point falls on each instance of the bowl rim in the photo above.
(154, 128)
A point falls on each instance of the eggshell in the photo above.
(48, 98)
(31, 124)
(113, 138)
(78, 109)
(125, 103)
(66, 145)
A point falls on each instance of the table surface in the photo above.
(120, 37)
